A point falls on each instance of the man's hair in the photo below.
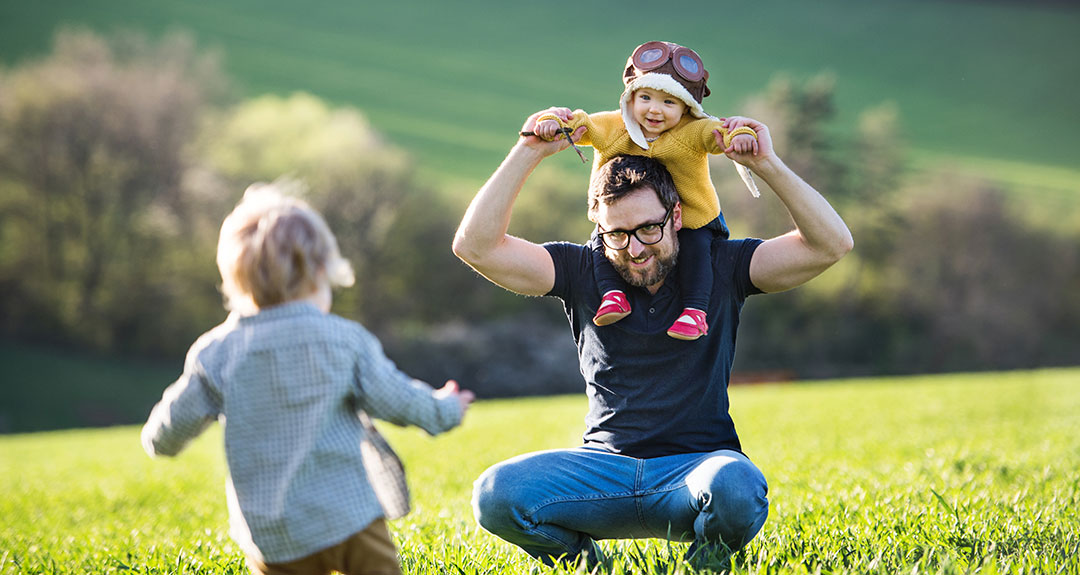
(273, 249)
(625, 174)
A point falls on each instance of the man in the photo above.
(660, 457)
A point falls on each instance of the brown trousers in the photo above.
(369, 552)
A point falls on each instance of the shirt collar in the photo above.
(287, 309)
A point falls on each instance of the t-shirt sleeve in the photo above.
(571, 263)
(739, 253)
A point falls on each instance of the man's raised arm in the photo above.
(820, 237)
(481, 240)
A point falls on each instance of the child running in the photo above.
(660, 115)
(310, 479)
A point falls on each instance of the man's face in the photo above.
(641, 265)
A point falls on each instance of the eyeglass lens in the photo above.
(648, 235)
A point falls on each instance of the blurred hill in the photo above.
(452, 81)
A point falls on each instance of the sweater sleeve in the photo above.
(602, 128)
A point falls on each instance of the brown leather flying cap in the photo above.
(679, 62)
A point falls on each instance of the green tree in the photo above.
(93, 154)
(393, 229)
(821, 328)
(945, 275)
(971, 287)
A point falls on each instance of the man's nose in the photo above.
(635, 247)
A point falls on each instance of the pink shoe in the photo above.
(613, 307)
(690, 325)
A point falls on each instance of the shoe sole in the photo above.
(609, 318)
(684, 337)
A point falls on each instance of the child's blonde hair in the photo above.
(275, 248)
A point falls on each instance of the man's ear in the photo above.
(676, 216)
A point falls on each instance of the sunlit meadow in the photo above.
(946, 474)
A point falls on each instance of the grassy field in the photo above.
(947, 474)
(453, 81)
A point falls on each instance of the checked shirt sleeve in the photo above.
(391, 395)
(186, 408)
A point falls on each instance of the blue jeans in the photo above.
(555, 504)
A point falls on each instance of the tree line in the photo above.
(120, 156)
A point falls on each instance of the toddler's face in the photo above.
(656, 111)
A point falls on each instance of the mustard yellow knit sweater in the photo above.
(684, 150)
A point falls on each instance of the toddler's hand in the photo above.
(547, 129)
(744, 144)
(761, 151)
(465, 397)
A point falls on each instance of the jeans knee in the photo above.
(734, 501)
(742, 492)
(485, 498)
(495, 499)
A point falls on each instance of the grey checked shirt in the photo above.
(293, 388)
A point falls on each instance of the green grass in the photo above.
(453, 81)
(945, 474)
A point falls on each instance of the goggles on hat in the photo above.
(652, 55)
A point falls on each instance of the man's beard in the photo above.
(660, 269)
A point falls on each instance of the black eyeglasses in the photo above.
(647, 234)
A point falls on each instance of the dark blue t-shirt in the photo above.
(651, 395)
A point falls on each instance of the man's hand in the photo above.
(465, 397)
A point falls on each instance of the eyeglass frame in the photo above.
(634, 232)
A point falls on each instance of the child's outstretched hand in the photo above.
(547, 129)
(465, 397)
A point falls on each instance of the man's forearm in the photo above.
(482, 242)
(818, 224)
(487, 220)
